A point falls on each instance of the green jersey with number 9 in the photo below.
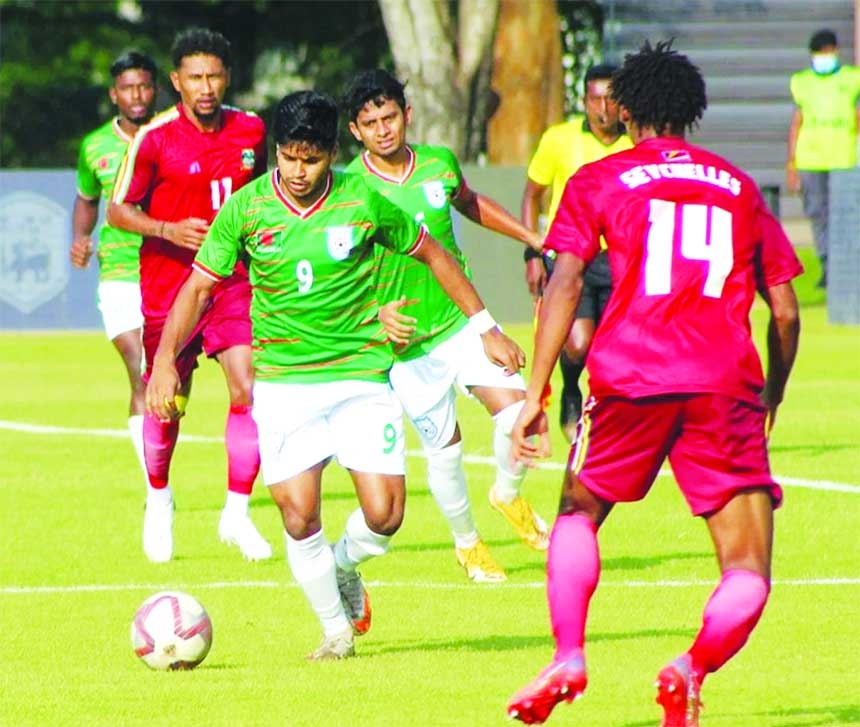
(314, 304)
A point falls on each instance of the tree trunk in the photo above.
(527, 77)
(440, 58)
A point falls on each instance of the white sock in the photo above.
(164, 496)
(236, 504)
(312, 564)
(135, 429)
(509, 476)
(447, 483)
(358, 543)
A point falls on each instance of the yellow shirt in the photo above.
(562, 150)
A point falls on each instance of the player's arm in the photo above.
(783, 333)
(530, 206)
(164, 383)
(85, 214)
(188, 233)
(500, 349)
(560, 299)
(490, 214)
(792, 178)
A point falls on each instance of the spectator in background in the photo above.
(562, 150)
(176, 176)
(822, 136)
(133, 93)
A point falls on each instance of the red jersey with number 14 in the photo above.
(175, 171)
(689, 239)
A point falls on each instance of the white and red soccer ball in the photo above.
(171, 630)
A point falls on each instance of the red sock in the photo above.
(573, 569)
(159, 440)
(730, 615)
(243, 451)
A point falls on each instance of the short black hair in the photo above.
(660, 88)
(306, 116)
(133, 60)
(378, 86)
(600, 72)
(197, 41)
(821, 39)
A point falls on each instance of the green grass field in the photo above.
(442, 650)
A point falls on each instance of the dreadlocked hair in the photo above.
(660, 88)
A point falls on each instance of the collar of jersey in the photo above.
(297, 210)
(410, 167)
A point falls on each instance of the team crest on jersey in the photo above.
(34, 240)
(248, 158)
(339, 241)
(435, 194)
(677, 155)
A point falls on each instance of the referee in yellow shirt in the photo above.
(562, 150)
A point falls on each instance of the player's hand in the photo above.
(771, 405)
(398, 327)
(536, 242)
(530, 435)
(535, 276)
(188, 233)
(161, 393)
(81, 251)
(503, 351)
(792, 179)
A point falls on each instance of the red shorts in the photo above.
(716, 446)
(225, 323)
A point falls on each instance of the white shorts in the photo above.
(301, 425)
(119, 303)
(424, 385)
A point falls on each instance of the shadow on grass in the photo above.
(509, 643)
(837, 714)
(816, 449)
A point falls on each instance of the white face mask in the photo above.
(824, 63)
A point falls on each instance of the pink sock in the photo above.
(730, 615)
(159, 440)
(573, 569)
(243, 452)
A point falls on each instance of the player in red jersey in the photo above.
(176, 175)
(673, 371)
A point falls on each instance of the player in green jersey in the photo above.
(133, 93)
(321, 357)
(434, 347)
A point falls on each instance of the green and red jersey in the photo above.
(431, 182)
(99, 158)
(314, 304)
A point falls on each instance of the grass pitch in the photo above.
(442, 651)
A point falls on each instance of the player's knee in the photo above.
(384, 522)
(507, 417)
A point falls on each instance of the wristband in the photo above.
(530, 254)
(482, 321)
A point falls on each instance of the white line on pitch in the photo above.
(103, 587)
(468, 458)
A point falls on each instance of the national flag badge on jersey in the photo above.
(339, 241)
(677, 155)
(435, 194)
(248, 158)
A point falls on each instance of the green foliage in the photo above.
(56, 57)
(582, 46)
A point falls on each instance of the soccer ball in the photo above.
(171, 630)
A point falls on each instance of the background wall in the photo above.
(39, 289)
